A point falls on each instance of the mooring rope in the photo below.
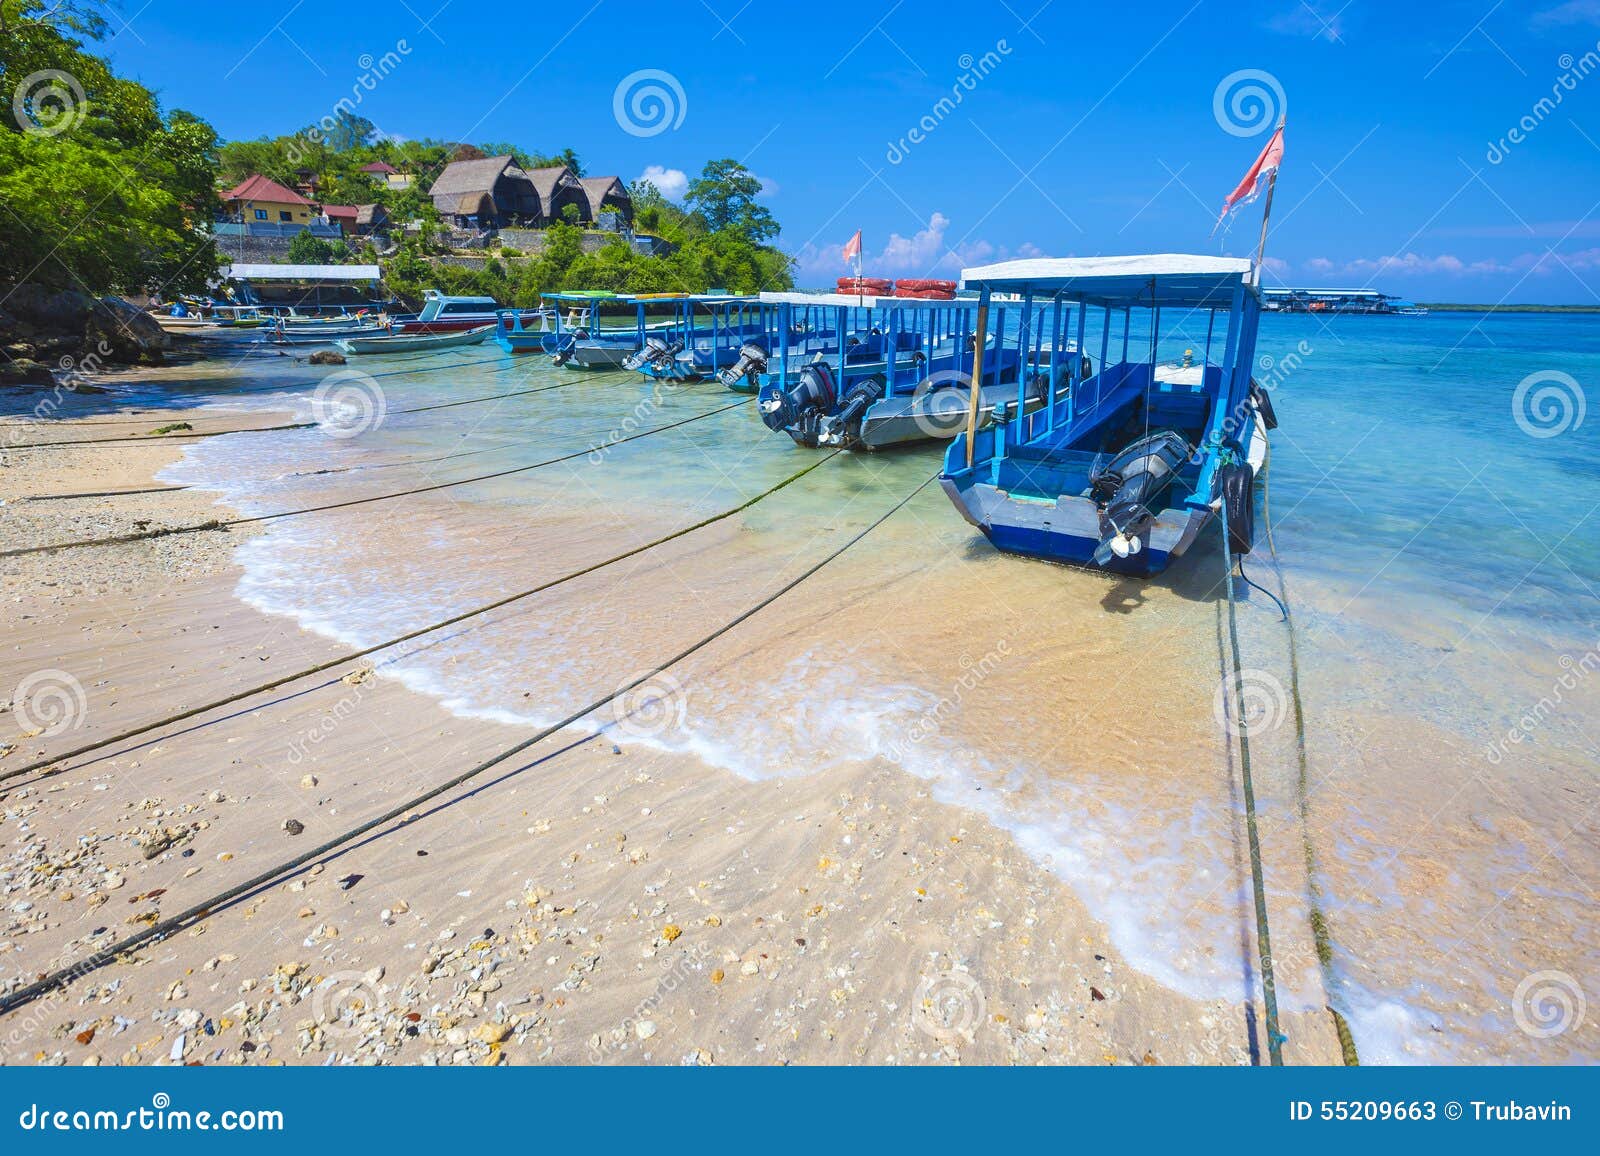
(193, 914)
(217, 433)
(455, 619)
(1269, 987)
(1321, 936)
(226, 523)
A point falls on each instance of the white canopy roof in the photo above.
(1151, 278)
(303, 273)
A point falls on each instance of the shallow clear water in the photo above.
(1442, 561)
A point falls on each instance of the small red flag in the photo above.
(852, 248)
(1255, 180)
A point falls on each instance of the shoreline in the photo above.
(783, 920)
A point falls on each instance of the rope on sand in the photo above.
(206, 907)
(283, 680)
(1321, 936)
(1269, 987)
(125, 438)
(223, 524)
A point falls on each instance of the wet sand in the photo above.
(598, 898)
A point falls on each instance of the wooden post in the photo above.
(977, 372)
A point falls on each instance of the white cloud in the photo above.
(925, 253)
(673, 183)
(1572, 12)
(769, 187)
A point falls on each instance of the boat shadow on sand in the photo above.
(1196, 576)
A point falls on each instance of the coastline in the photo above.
(599, 887)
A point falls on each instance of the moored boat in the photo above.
(902, 371)
(414, 342)
(444, 314)
(1125, 468)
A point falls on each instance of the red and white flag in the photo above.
(852, 248)
(1256, 179)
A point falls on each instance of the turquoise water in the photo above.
(1443, 561)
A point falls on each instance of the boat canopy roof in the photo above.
(302, 272)
(1180, 279)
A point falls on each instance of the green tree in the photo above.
(725, 195)
(308, 249)
(100, 189)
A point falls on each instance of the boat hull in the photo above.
(414, 343)
(1068, 529)
(464, 323)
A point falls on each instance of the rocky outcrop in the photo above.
(40, 328)
(131, 333)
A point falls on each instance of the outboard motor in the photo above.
(1128, 483)
(657, 354)
(813, 395)
(569, 343)
(844, 427)
(751, 365)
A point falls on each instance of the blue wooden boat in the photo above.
(901, 372)
(1123, 469)
(578, 337)
(707, 332)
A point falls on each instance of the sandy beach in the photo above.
(593, 899)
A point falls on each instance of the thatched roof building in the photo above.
(606, 193)
(495, 191)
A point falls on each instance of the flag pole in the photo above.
(1266, 213)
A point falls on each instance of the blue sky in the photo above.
(1420, 159)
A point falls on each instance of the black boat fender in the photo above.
(1263, 404)
(1238, 483)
